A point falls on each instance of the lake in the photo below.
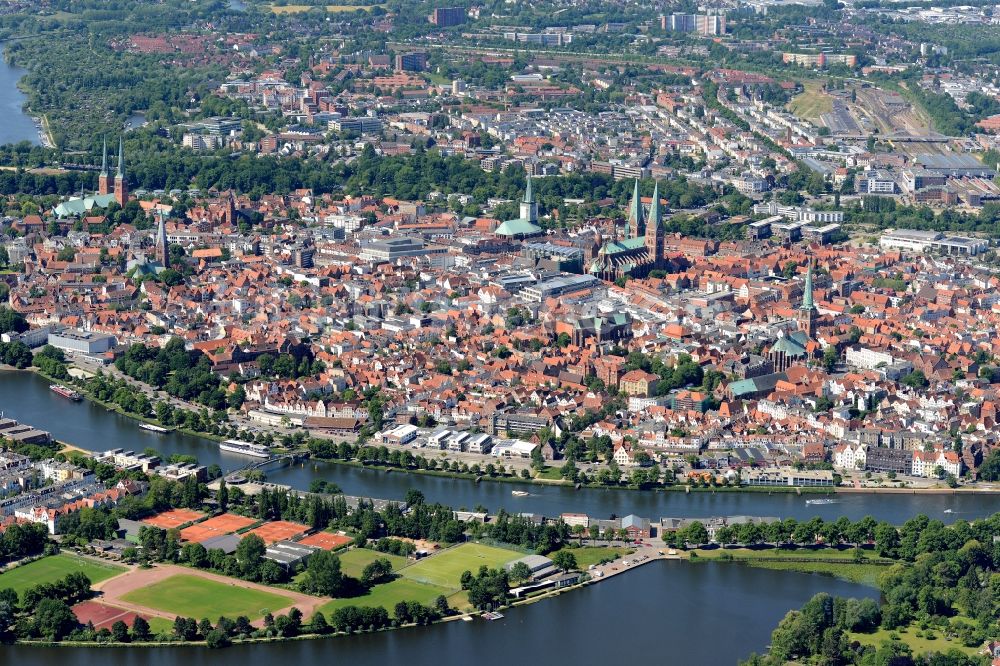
(661, 613)
(16, 125)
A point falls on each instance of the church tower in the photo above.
(231, 210)
(162, 249)
(529, 209)
(104, 181)
(121, 189)
(807, 311)
(654, 230)
(636, 214)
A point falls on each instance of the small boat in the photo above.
(821, 501)
(948, 511)
(492, 615)
(519, 493)
(153, 428)
(466, 618)
(65, 392)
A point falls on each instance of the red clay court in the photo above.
(227, 523)
(103, 615)
(326, 540)
(168, 520)
(278, 530)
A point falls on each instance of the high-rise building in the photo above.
(411, 62)
(712, 23)
(444, 17)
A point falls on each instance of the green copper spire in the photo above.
(528, 197)
(121, 159)
(655, 218)
(104, 159)
(636, 218)
(807, 297)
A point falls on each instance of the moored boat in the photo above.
(66, 392)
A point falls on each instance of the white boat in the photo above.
(948, 511)
(519, 493)
(245, 448)
(153, 428)
(821, 501)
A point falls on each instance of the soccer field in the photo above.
(50, 569)
(445, 569)
(354, 561)
(197, 597)
(388, 595)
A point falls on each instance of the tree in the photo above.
(376, 572)
(250, 555)
(830, 358)
(564, 560)
(696, 533)
(216, 639)
(11, 321)
(53, 619)
(223, 495)
(520, 571)
(323, 574)
(119, 632)
(140, 629)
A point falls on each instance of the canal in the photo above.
(16, 125)
(664, 612)
(25, 396)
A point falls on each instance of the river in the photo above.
(664, 612)
(25, 396)
(16, 125)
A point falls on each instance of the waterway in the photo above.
(25, 396)
(15, 125)
(663, 612)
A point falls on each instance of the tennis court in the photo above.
(168, 520)
(278, 530)
(227, 523)
(326, 540)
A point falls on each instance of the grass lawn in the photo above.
(50, 569)
(160, 625)
(812, 103)
(919, 644)
(197, 597)
(864, 574)
(444, 569)
(846, 554)
(550, 473)
(353, 562)
(593, 555)
(388, 595)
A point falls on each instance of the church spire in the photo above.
(655, 218)
(162, 249)
(121, 159)
(104, 159)
(528, 196)
(654, 230)
(807, 296)
(636, 216)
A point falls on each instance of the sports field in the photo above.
(390, 594)
(354, 561)
(198, 597)
(50, 569)
(173, 518)
(278, 530)
(444, 569)
(227, 523)
(326, 540)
